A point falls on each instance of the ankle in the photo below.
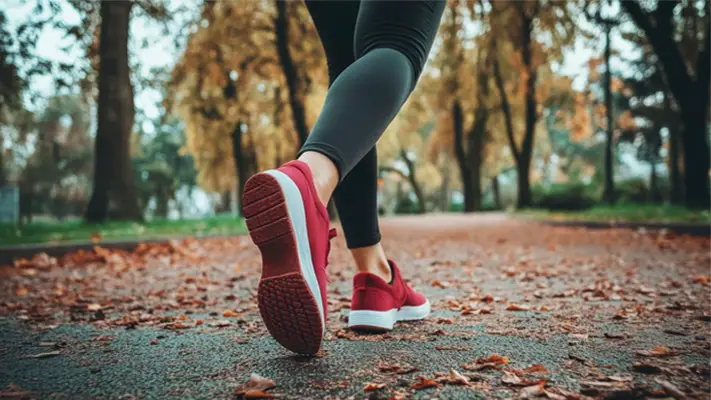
(324, 173)
(372, 259)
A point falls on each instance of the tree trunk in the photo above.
(496, 191)
(461, 157)
(692, 95)
(413, 182)
(114, 189)
(654, 195)
(676, 187)
(444, 190)
(524, 165)
(696, 159)
(296, 90)
(608, 194)
(242, 167)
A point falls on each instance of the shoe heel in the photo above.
(290, 313)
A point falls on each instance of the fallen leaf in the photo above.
(517, 307)
(229, 313)
(493, 361)
(702, 279)
(255, 387)
(221, 323)
(94, 307)
(657, 351)
(536, 369)
(487, 299)
(616, 378)
(456, 348)
(533, 391)
(43, 355)
(397, 368)
(510, 378)
(440, 284)
(180, 325)
(182, 317)
(424, 383)
(198, 322)
(670, 389)
(21, 292)
(456, 378)
(373, 386)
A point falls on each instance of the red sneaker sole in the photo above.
(287, 306)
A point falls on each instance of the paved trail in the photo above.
(608, 313)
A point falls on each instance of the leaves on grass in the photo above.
(255, 387)
(229, 313)
(424, 383)
(373, 387)
(493, 361)
(702, 279)
(21, 292)
(440, 284)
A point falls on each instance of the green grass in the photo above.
(76, 230)
(626, 213)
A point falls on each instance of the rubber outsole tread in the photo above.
(286, 305)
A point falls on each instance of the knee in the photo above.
(405, 43)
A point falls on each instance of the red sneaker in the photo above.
(378, 305)
(290, 225)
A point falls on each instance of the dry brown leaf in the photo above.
(493, 361)
(517, 307)
(702, 279)
(424, 383)
(487, 299)
(536, 369)
(657, 351)
(180, 325)
(456, 378)
(510, 378)
(440, 284)
(373, 386)
(397, 368)
(533, 391)
(21, 292)
(229, 313)
(255, 387)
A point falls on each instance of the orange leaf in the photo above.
(182, 317)
(517, 307)
(373, 386)
(21, 292)
(424, 383)
(229, 313)
(536, 369)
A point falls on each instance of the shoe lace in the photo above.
(331, 234)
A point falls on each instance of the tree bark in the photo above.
(496, 192)
(525, 155)
(676, 187)
(692, 95)
(295, 88)
(114, 191)
(461, 156)
(608, 194)
(242, 167)
(411, 177)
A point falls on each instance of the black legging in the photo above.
(375, 52)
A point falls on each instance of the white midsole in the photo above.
(387, 319)
(297, 217)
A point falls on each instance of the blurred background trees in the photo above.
(157, 108)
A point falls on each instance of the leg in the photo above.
(392, 41)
